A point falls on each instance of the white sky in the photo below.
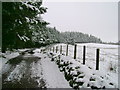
(97, 18)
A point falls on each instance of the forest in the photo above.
(23, 27)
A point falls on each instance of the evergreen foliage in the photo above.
(19, 20)
(78, 37)
(23, 27)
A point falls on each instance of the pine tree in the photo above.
(18, 20)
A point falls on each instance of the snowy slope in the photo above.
(107, 76)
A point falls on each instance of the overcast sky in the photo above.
(97, 18)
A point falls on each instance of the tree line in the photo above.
(78, 37)
(23, 27)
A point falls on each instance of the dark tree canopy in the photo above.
(18, 18)
(23, 27)
(78, 37)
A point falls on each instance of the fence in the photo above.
(55, 49)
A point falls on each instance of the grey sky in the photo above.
(97, 18)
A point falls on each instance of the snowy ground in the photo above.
(107, 75)
(32, 71)
(47, 69)
(54, 78)
(5, 57)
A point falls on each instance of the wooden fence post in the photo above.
(67, 50)
(61, 49)
(97, 59)
(75, 51)
(84, 49)
(56, 49)
(53, 49)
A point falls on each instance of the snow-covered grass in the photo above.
(77, 74)
(37, 67)
(105, 77)
(50, 72)
(4, 57)
(17, 74)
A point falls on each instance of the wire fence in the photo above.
(86, 52)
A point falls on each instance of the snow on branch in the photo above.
(24, 38)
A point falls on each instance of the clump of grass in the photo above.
(112, 67)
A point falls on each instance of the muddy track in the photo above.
(19, 73)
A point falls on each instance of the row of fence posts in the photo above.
(75, 53)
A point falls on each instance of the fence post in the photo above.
(84, 49)
(56, 49)
(75, 51)
(97, 59)
(61, 49)
(53, 49)
(67, 50)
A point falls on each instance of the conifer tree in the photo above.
(18, 20)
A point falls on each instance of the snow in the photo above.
(42, 69)
(2, 62)
(27, 19)
(4, 57)
(22, 50)
(53, 72)
(108, 72)
(19, 37)
(9, 55)
(20, 22)
(30, 6)
(54, 78)
(20, 8)
(17, 73)
(24, 38)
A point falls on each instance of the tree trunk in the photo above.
(3, 49)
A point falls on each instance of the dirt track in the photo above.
(19, 73)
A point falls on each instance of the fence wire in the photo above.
(89, 51)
